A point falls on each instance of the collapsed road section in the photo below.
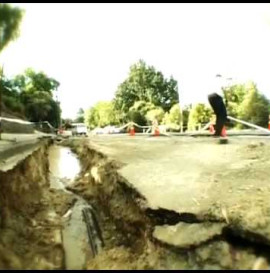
(136, 204)
(192, 212)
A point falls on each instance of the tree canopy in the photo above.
(31, 94)
(80, 116)
(10, 19)
(247, 103)
(254, 107)
(101, 114)
(199, 114)
(145, 83)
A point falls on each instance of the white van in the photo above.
(79, 129)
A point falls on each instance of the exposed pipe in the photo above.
(93, 230)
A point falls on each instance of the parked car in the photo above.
(79, 129)
(111, 130)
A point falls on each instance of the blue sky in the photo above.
(90, 47)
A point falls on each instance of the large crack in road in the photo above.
(87, 214)
(206, 240)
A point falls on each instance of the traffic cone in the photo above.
(132, 131)
(223, 132)
(157, 131)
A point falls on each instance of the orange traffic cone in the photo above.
(156, 132)
(132, 131)
(223, 132)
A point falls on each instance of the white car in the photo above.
(79, 129)
(111, 130)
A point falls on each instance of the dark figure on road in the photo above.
(216, 101)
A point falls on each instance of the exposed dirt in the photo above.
(30, 233)
(128, 227)
(136, 236)
(124, 225)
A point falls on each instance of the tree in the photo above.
(80, 116)
(234, 96)
(38, 106)
(54, 114)
(144, 83)
(10, 99)
(155, 114)
(255, 106)
(101, 114)
(137, 113)
(199, 114)
(32, 93)
(137, 117)
(185, 117)
(91, 117)
(31, 82)
(10, 19)
(173, 118)
(175, 114)
(36, 92)
(67, 123)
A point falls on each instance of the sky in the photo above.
(89, 48)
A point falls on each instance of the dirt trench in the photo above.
(130, 228)
(32, 225)
(30, 215)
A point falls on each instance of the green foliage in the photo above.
(80, 116)
(234, 97)
(137, 113)
(32, 94)
(146, 84)
(143, 107)
(67, 124)
(245, 102)
(185, 117)
(32, 81)
(199, 114)
(38, 106)
(173, 118)
(54, 114)
(137, 117)
(255, 107)
(155, 114)
(10, 19)
(13, 104)
(102, 114)
(91, 117)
